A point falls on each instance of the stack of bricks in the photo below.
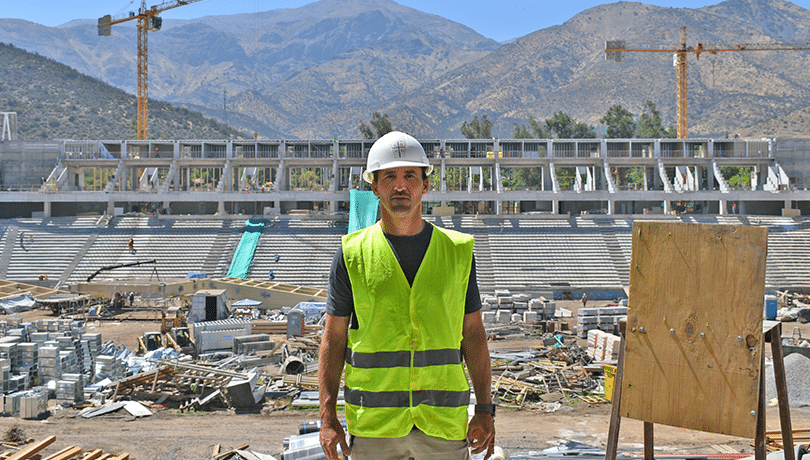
(603, 346)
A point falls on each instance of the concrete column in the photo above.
(110, 208)
(723, 205)
(46, 209)
(555, 206)
(788, 204)
(741, 207)
(611, 207)
(667, 207)
(221, 208)
(646, 178)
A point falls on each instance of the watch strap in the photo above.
(485, 408)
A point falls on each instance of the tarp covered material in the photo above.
(243, 256)
(247, 303)
(363, 206)
(17, 304)
(196, 275)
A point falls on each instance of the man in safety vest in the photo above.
(402, 315)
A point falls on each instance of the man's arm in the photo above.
(481, 432)
(330, 367)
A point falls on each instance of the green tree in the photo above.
(738, 177)
(565, 127)
(620, 124)
(649, 125)
(378, 126)
(533, 130)
(476, 129)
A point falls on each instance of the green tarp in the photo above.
(243, 256)
(363, 206)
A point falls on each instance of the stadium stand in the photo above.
(512, 252)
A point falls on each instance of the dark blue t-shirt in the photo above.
(409, 250)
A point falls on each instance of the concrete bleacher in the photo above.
(305, 250)
(512, 252)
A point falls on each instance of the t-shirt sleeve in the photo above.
(339, 300)
(473, 302)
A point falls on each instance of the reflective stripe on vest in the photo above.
(402, 398)
(403, 362)
(382, 359)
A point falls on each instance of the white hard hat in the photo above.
(395, 150)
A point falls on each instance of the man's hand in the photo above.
(332, 435)
(481, 433)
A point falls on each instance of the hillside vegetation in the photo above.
(53, 101)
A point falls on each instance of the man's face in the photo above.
(400, 190)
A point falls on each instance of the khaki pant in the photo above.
(415, 446)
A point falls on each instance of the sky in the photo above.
(499, 20)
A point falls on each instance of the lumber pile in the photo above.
(33, 450)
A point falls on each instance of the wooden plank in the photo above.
(93, 454)
(694, 328)
(66, 453)
(29, 451)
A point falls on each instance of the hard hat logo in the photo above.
(399, 149)
(395, 150)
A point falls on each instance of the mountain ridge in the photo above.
(318, 70)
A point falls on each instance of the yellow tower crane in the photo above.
(615, 49)
(148, 19)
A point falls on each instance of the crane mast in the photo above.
(615, 49)
(148, 19)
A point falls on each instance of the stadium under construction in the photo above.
(552, 216)
(490, 177)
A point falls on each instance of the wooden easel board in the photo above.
(694, 326)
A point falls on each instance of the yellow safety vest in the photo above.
(403, 362)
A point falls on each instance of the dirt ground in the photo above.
(169, 434)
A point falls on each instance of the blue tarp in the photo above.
(196, 275)
(363, 206)
(243, 256)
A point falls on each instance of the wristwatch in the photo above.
(485, 408)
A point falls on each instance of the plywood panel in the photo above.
(694, 326)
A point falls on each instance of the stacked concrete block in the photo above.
(70, 388)
(29, 361)
(603, 318)
(603, 346)
(108, 366)
(39, 336)
(488, 317)
(503, 316)
(49, 365)
(5, 374)
(10, 351)
(26, 404)
(33, 404)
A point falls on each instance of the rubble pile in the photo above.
(792, 307)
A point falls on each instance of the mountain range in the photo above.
(319, 70)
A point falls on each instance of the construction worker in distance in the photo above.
(402, 311)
